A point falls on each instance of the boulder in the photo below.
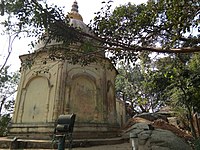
(147, 138)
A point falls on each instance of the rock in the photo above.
(161, 124)
(133, 121)
(152, 116)
(135, 129)
(167, 139)
(157, 139)
(159, 148)
(140, 126)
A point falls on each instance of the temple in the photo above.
(47, 90)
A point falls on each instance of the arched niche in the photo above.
(35, 100)
(83, 99)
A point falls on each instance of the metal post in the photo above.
(134, 141)
(64, 129)
(61, 142)
(70, 141)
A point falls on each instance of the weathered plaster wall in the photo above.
(83, 99)
(36, 100)
(36, 92)
(50, 88)
(121, 112)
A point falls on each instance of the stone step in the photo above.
(48, 144)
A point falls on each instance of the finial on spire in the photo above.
(75, 6)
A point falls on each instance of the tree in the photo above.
(8, 83)
(183, 90)
(169, 80)
(141, 85)
(127, 88)
(122, 33)
(4, 121)
(147, 24)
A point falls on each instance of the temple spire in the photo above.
(75, 6)
(74, 12)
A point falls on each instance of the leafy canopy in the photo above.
(8, 83)
(170, 24)
(142, 85)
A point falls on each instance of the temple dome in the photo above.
(76, 21)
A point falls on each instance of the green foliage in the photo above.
(8, 83)
(135, 27)
(34, 17)
(168, 80)
(197, 144)
(123, 32)
(184, 78)
(4, 121)
(142, 85)
(183, 92)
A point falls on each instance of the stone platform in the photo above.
(15, 143)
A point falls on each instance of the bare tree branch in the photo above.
(10, 42)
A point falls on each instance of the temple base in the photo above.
(46, 131)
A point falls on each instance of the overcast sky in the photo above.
(87, 8)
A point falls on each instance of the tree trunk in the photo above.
(1, 105)
(197, 124)
(191, 122)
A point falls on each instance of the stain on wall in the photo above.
(83, 99)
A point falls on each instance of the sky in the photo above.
(87, 8)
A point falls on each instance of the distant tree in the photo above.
(168, 80)
(141, 85)
(8, 83)
(4, 121)
(183, 90)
